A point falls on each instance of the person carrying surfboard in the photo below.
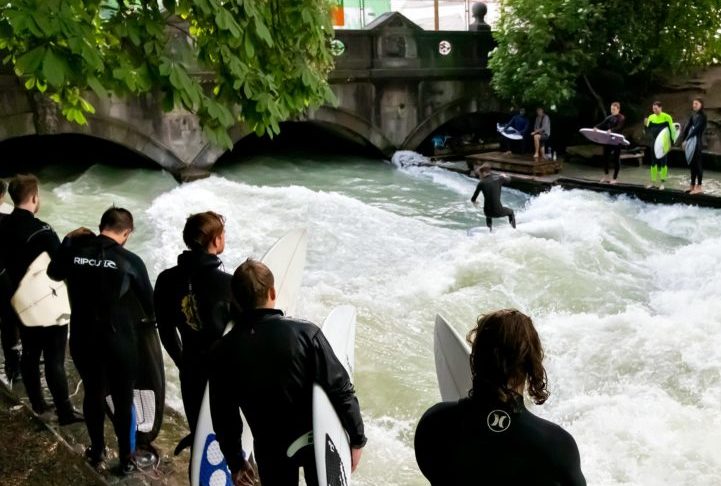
(110, 294)
(9, 332)
(25, 238)
(490, 184)
(541, 132)
(490, 437)
(655, 125)
(613, 123)
(192, 307)
(267, 365)
(693, 131)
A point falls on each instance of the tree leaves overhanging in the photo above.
(255, 61)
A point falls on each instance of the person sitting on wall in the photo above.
(517, 124)
(541, 132)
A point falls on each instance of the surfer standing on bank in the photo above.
(613, 123)
(655, 123)
(9, 332)
(490, 184)
(267, 365)
(490, 437)
(695, 127)
(192, 306)
(518, 124)
(110, 294)
(24, 238)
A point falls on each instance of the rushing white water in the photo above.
(626, 296)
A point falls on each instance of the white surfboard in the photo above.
(690, 148)
(453, 366)
(286, 259)
(604, 137)
(330, 440)
(509, 132)
(40, 301)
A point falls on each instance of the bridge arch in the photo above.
(100, 127)
(446, 113)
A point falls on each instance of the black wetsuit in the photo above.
(24, 238)
(110, 294)
(491, 185)
(696, 127)
(9, 332)
(267, 365)
(612, 153)
(467, 443)
(192, 305)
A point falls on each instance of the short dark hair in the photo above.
(616, 104)
(23, 187)
(658, 103)
(250, 285)
(117, 220)
(3, 187)
(506, 353)
(700, 100)
(202, 228)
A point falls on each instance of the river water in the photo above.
(626, 295)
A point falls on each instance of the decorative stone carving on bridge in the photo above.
(45, 114)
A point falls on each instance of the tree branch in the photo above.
(599, 100)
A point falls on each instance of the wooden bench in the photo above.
(515, 163)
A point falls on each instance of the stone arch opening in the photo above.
(471, 117)
(72, 152)
(302, 137)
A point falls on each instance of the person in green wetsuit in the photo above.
(654, 125)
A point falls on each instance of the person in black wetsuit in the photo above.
(9, 332)
(490, 437)
(612, 153)
(695, 127)
(110, 296)
(192, 305)
(490, 184)
(24, 238)
(267, 365)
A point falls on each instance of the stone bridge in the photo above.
(395, 84)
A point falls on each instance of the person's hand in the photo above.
(355, 457)
(82, 231)
(683, 145)
(475, 203)
(245, 476)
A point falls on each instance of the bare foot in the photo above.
(614, 181)
(650, 186)
(604, 179)
(698, 190)
(661, 187)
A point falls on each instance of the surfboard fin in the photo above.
(302, 441)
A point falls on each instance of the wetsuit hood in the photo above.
(193, 261)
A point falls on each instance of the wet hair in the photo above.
(616, 104)
(485, 168)
(3, 187)
(201, 229)
(250, 285)
(658, 103)
(506, 353)
(23, 187)
(116, 220)
(700, 100)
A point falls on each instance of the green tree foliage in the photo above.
(256, 61)
(545, 47)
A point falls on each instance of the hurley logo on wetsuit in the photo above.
(91, 262)
(498, 421)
